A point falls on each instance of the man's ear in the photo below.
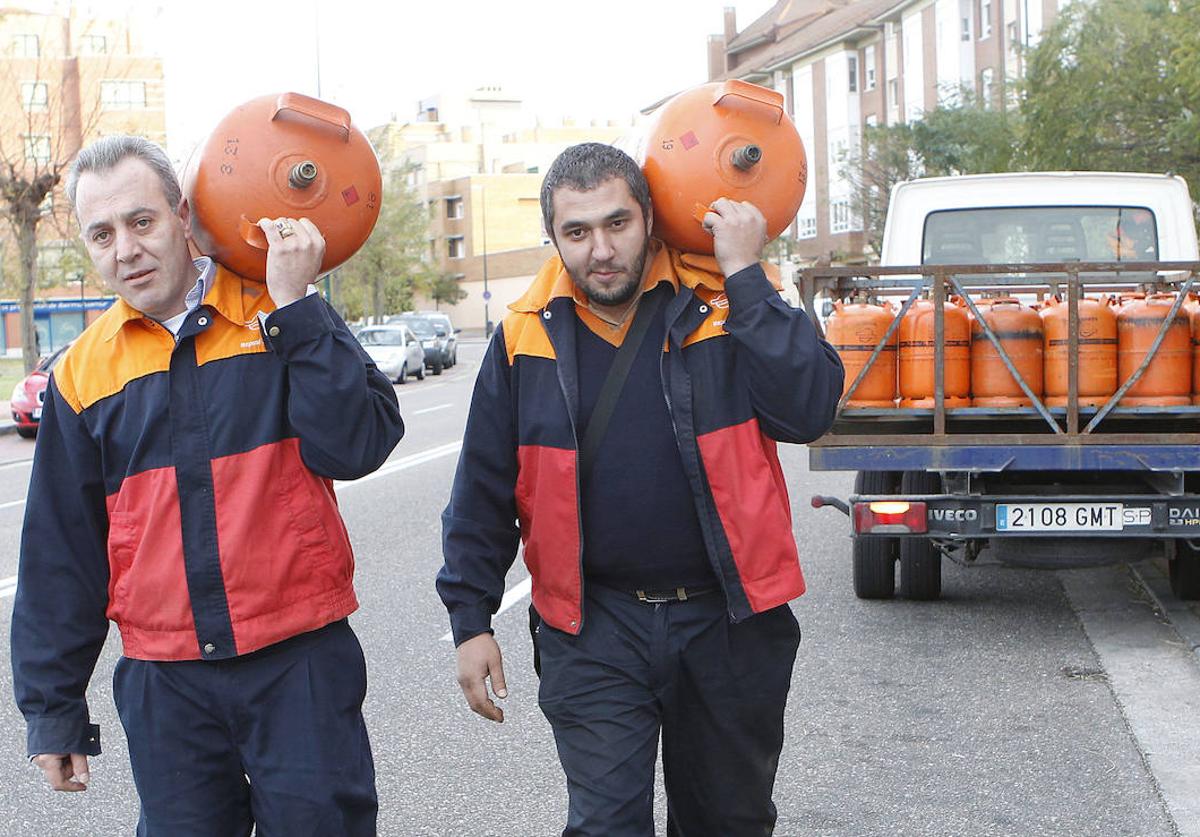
(185, 215)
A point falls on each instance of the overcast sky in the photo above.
(602, 59)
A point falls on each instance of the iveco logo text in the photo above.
(954, 514)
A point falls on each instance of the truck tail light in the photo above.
(887, 516)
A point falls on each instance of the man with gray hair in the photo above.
(623, 429)
(182, 488)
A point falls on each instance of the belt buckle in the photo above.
(657, 597)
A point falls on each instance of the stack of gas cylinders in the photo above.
(1115, 337)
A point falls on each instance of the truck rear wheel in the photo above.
(875, 558)
(920, 560)
(1184, 570)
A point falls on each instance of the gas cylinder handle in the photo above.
(314, 109)
(252, 233)
(746, 90)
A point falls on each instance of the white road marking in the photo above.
(8, 586)
(12, 504)
(404, 463)
(431, 409)
(518, 592)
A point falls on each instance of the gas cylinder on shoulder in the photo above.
(283, 155)
(729, 139)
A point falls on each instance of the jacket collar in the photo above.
(224, 293)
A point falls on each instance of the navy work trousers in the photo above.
(274, 738)
(716, 691)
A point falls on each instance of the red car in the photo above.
(28, 394)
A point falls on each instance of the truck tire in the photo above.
(920, 560)
(1184, 570)
(875, 558)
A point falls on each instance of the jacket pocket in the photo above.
(123, 538)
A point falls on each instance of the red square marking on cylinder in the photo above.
(689, 141)
(350, 196)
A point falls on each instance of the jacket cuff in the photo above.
(293, 325)
(466, 623)
(62, 735)
(748, 286)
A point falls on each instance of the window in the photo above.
(1040, 234)
(25, 46)
(839, 216)
(123, 95)
(455, 249)
(454, 207)
(985, 20)
(966, 28)
(806, 227)
(93, 45)
(34, 96)
(1012, 35)
(869, 67)
(893, 93)
(852, 66)
(37, 148)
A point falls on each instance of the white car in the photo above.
(396, 351)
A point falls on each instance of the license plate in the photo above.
(1059, 517)
(37, 413)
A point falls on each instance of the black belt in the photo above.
(677, 594)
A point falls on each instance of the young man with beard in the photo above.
(183, 488)
(660, 546)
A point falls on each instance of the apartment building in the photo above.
(843, 65)
(66, 79)
(477, 160)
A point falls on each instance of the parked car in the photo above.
(440, 345)
(444, 328)
(29, 393)
(395, 349)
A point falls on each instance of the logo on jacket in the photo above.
(720, 301)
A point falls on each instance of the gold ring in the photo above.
(285, 228)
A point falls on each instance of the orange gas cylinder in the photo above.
(917, 356)
(1167, 381)
(730, 139)
(1192, 308)
(282, 155)
(1097, 351)
(854, 329)
(1019, 329)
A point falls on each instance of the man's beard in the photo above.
(616, 294)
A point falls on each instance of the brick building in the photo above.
(65, 80)
(843, 65)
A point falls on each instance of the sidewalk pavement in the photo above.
(6, 423)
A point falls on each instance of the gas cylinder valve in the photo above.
(745, 157)
(302, 175)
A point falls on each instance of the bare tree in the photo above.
(44, 123)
